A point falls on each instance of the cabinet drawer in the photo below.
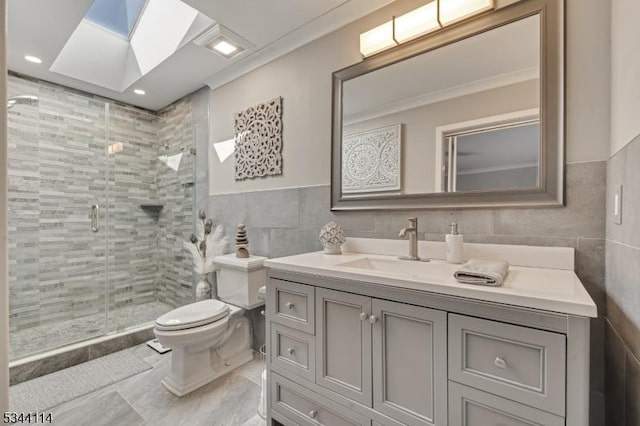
(291, 304)
(471, 407)
(293, 351)
(308, 408)
(519, 363)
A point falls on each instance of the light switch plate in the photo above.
(617, 205)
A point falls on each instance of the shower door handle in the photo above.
(95, 218)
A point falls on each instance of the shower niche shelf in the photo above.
(152, 208)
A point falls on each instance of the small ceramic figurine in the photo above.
(332, 237)
(242, 242)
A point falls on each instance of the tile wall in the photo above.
(622, 365)
(59, 168)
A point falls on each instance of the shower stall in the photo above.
(100, 202)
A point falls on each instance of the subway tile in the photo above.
(57, 159)
(273, 209)
(583, 215)
(614, 377)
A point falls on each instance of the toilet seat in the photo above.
(193, 315)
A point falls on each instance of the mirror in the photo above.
(470, 116)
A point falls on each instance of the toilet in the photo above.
(212, 337)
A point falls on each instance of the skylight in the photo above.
(119, 16)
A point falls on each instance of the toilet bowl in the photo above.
(208, 339)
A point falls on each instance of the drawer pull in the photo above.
(290, 305)
(500, 363)
(373, 319)
(313, 414)
(364, 316)
(291, 351)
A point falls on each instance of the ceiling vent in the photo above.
(221, 40)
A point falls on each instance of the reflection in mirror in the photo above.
(496, 153)
(463, 98)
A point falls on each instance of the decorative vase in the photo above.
(332, 237)
(203, 288)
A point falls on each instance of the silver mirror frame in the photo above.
(550, 193)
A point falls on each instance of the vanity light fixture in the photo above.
(223, 41)
(428, 18)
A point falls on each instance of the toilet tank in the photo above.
(239, 280)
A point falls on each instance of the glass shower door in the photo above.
(57, 239)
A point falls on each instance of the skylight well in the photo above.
(119, 16)
(120, 41)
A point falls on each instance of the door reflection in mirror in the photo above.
(496, 158)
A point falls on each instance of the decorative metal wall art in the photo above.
(371, 160)
(258, 139)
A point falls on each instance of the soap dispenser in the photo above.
(454, 245)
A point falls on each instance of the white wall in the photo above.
(4, 271)
(625, 72)
(303, 78)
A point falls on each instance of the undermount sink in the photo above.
(413, 268)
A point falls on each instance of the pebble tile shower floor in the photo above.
(231, 400)
(48, 336)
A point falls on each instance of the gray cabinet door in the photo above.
(410, 363)
(343, 344)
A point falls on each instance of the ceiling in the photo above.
(496, 58)
(42, 28)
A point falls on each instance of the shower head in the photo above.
(21, 100)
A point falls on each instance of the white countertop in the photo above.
(555, 290)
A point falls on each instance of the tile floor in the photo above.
(49, 336)
(231, 400)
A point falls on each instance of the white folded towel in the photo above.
(483, 272)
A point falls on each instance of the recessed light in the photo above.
(139, 92)
(33, 59)
(223, 41)
(225, 48)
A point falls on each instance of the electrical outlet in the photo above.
(617, 205)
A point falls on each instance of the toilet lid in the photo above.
(193, 315)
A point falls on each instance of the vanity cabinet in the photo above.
(385, 355)
(360, 354)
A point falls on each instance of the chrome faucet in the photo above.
(412, 230)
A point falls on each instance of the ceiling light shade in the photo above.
(221, 40)
(33, 59)
(456, 10)
(139, 92)
(377, 39)
(418, 22)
